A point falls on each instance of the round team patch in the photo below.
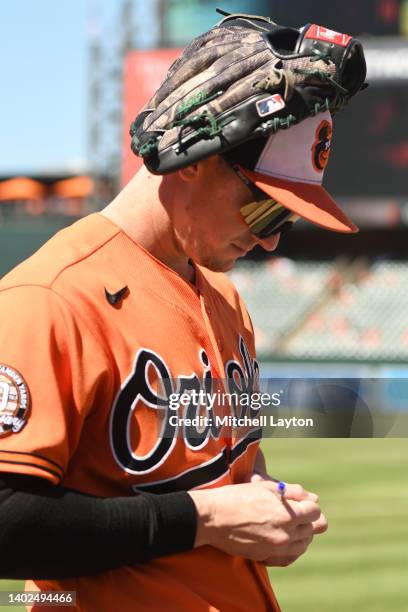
(14, 401)
(321, 145)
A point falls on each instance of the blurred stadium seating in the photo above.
(333, 311)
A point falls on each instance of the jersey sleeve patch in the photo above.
(14, 401)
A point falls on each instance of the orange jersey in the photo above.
(96, 336)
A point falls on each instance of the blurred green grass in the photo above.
(361, 563)
(12, 585)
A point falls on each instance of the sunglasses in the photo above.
(264, 216)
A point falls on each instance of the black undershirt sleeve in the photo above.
(49, 532)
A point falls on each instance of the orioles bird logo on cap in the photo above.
(321, 146)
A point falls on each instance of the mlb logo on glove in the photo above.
(270, 105)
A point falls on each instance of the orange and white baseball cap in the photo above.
(289, 167)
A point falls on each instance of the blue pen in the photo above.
(281, 488)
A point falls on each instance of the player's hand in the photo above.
(295, 492)
(252, 521)
(292, 491)
(305, 534)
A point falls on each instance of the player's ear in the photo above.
(189, 173)
(202, 167)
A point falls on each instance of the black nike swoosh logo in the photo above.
(114, 298)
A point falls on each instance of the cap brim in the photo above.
(312, 202)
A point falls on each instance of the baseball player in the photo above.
(103, 491)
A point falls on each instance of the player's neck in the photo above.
(138, 211)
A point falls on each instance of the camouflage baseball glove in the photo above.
(245, 78)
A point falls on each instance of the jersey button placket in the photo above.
(213, 338)
(218, 339)
(216, 345)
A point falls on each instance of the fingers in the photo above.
(293, 491)
(299, 547)
(302, 532)
(256, 478)
(302, 512)
(298, 493)
(281, 562)
(294, 551)
(321, 525)
(299, 541)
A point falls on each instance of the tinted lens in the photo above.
(272, 229)
(267, 217)
(282, 229)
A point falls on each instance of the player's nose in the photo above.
(270, 243)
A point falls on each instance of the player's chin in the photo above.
(219, 264)
(221, 259)
(232, 257)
